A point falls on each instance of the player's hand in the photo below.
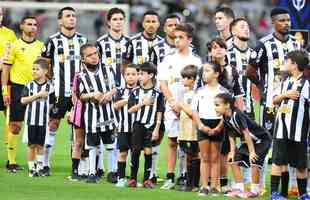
(7, 99)
(42, 94)
(292, 94)
(175, 107)
(155, 135)
(97, 96)
(253, 157)
(231, 156)
(147, 101)
(206, 129)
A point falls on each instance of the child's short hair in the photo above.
(186, 28)
(132, 66)
(190, 71)
(42, 63)
(149, 68)
(300, 57)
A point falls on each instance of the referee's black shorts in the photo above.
(60, 107)
(17, 109)
(288, 152)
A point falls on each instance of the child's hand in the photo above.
(97, 96)
(42, 94)
(253, 157)
(231, 156)
(107, 97)
(155, 135)
(292, 94)
(147, 101)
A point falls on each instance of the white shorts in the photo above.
(172, 127)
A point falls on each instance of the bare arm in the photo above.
(186, 108)
(29, 99)
(119, 104)
(250, 144)
(155, 134)
(199, 124)
(291, 94)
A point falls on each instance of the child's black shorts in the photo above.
(141, 137)
(189, 147)
(123, 141)
(36, 135)
(93, 139)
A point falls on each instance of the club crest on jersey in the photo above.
(277, 63)
(253, 55)
(109, 60)
(61, 58)
(140, 60)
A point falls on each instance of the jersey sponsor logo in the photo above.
(105, 123)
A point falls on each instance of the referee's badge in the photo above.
(109, 60)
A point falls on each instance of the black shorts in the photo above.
(212, 123)
(93, 139)
(225, 148)
(141, 137)
(60, 107)
(261, 150)
(288, 152)
(17, 110)
(267, 117)
(2, 107)
(189, 147)
(123, 141)
(36, 135)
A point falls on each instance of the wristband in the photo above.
(5, 90)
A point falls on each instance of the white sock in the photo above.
(111, 160)
(48, 147)
(247, 174)
(293, 179)
(255, 188)
(100, 156)
(239, 186)
(31, 165)
(155, 151)
(182, 162)
(92, 160)
(83, 166)
(263, 174)
(115, 156)
(40, 159)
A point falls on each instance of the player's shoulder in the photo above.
(136, 37)
(80, 35)
(266, 38)
(54, 36)
(102, 38)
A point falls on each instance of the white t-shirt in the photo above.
(170, 70)
(203, 102)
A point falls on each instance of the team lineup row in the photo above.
(124, 93)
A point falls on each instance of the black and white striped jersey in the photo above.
(239, 59)
(111, 51)
(147, 114)
(267, 56)
(292, 119)
(239, 121)
(37, 112)
(124, 118)
(98, 117)
(140, 49)
(64, 53)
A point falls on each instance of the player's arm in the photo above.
(7, 63)
(199, 124)
(250, 144)
(186, 108)
(48, 54)
(119, 101)
(159, 115)
(26, 99)
(290, 94)
(231, 154)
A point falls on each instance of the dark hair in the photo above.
(113, 11)
(227, 99)
(149, 68)
(150, 12)
(26, 17)
(228, 12)
(186, 28)
(85, 46)
(172, 16)
(60, 13)
(278, 11)
(190, 71)
(300, 57)
(236, 21)
(218, 41)
(42, 63)
(131, 65)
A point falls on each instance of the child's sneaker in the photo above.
(248, 194)
(100, 173)
(169, 184)
(214, 192)
(293, 191)
(32, 173)
(91, 179)
(304, 197)
(234, 193)
(112, 177)
(74, 177)
(203, 191)
(276, 196)
(121, 183)
(148, 184)
(132, 183)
